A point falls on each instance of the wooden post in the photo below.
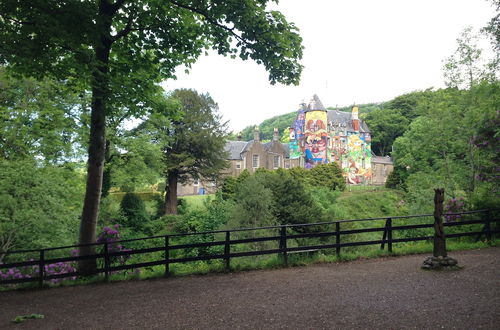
(106, 261)
(337, 238)
(41, 270)
(439, 236)
(284, 254)
(167, 255)
(227, 251)
(384, 236)
(487, 226)
(389, 235)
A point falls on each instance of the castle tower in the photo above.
(315, 137)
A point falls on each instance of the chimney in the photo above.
(354, 112)
(276, 135)
(355, 119)
(256, 134)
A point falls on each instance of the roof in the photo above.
(235, 148)
(315, 104)
(336, 117)
(382, 160)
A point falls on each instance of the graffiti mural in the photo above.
(319, 136)
(315, 138)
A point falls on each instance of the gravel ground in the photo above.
(384, 293)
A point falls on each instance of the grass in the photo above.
(196, 201)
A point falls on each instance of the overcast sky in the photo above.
(355, 51)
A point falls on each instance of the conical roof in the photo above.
(315, 104)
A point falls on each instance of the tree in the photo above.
(466, 67)
(254, 205)
(119, 50)
(39, 206)
(326, 175)
(193, 145)
(40, 119)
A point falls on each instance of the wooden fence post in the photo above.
(487, 226)
(439, 236)
(337, 238)
(106, 261)
(167, 256)
(389, 235)
(284, 254)
(41, 270)
(384, 236)
(227, 251)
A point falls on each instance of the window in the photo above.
(276, 161)
(196, 182)
(255, 161)
(238, 165)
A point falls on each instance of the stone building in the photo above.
(255, 154)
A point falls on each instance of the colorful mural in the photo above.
(315, 138)
(320, 136)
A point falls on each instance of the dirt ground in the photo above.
(384, 293)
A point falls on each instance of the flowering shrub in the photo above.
(108, 235)
(111, 236)
(32, 272)
(454, 205)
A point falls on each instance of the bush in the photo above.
(134, 210)
(326, 175)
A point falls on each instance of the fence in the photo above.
(286, 238)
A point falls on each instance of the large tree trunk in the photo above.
(439, 237)
(171, 195)
(97, 140)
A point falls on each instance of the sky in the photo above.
(356, 51)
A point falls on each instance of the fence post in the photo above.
(389, 235)
(284, 254)
(384, 236)
(41, 270)
(167, 256)
(106, 262)
(487, 226)
(227, 251)
(337, 238)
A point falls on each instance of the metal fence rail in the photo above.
(285, 235)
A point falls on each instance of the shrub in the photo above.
(134, 210)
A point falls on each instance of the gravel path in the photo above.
(384, 293)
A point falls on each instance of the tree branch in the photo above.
(126, 30)
(211, 21)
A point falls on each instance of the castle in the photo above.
(318, 136)
(321, 136)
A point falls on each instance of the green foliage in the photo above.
(134, 210)
(254, 205)
(397, 178)
(293, 204)
(39, 206)
(326, 175)
(228, 188)
(42, 119)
